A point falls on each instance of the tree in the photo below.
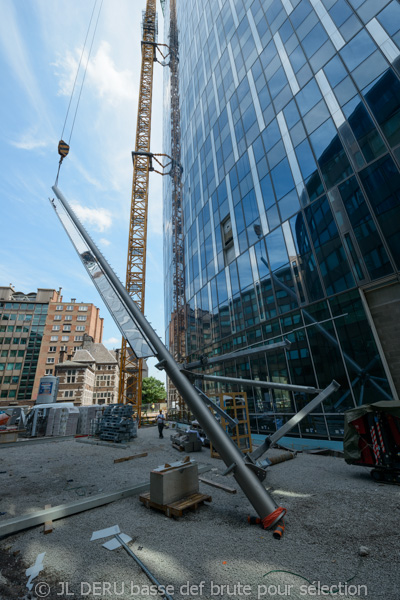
(153, 390)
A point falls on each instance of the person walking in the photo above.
(160, 423)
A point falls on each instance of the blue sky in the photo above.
(40, 47)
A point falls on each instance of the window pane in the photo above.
(382, 184)
(282, 179)
(331, 257)
(306, 263)
(384, 101)
(357, 341)
(368, 238)
(357, 50)
(331, 156)
(369, 140)
(276, 249)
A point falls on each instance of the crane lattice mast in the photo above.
(178, 317)
(130, 385)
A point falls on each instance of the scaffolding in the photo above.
(235, 405)
(130, 385)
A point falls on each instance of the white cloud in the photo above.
(107, 81)
(30, 141)
(85, 173)
(100, 218)
(104, 241)
(110, 83)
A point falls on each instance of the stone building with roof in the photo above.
(90, 376)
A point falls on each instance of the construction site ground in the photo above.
(333, 510)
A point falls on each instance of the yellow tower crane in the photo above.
(130, 384)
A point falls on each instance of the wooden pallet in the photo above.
(177, 447)
(175, 509)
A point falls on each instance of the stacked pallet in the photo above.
(117, 424)
(62, 421)
(87, 414)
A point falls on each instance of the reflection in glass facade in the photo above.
(21, 332)
(290, 125)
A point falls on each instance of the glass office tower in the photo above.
(290, 144)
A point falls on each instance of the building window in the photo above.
(78, 338)
(81, 318)
(227, 240)
(71, 372)
(50, 360)
(68, 317)
(56, 328)
(54, 338)
(59, 307)
(68, 393)
(57, 317)
(48, 372)
(67, 328)
(80, 328)
(83, 308)
(70, 307)
(63, 348)
(65, 338)
(71, 379)
(53, 349)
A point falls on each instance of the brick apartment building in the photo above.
(65, 327)
(34, 329)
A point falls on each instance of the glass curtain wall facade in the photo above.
(21, 332)
(290, 123)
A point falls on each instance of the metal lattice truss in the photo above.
(130, 387)
(178, 317)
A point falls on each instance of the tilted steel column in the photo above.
(258, 496)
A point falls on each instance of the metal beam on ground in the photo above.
(11, 526)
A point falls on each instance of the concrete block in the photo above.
(168, 484)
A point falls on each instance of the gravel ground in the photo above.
(333, 509)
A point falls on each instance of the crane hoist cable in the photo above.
(63, 147)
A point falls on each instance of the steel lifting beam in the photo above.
(256, 383)
(264, 505)
(203, 362)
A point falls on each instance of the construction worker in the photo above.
(160, 423)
